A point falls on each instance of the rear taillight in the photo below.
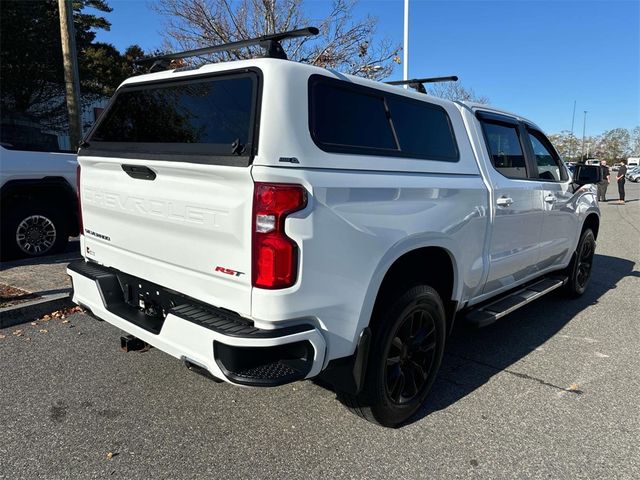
(275, 256)
(80, 225)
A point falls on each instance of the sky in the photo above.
(531, 57)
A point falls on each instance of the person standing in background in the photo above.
(604, 183)
(622, 171)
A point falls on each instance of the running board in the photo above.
(488, 313)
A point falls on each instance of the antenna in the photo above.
(418, 83)
(271, 43)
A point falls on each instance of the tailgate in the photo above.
(179, 230)
(166, 186)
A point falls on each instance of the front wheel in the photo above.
(406, 352)
(579, 270)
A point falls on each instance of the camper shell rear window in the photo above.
(204, 119)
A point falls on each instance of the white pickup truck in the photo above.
(38, 201)
(268, 221)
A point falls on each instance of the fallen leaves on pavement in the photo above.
(62, 314)
(11, 295)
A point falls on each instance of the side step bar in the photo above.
(488, 313)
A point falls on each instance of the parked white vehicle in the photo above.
(268, 221)
(39, 201)
(633, 162)
(633, 174)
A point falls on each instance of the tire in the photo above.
(33, 230)
(406, 351)
(579, 270)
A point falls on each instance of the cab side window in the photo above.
(503, 143)
(549, 167)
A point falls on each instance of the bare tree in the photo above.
(455, 91)
(344, 43)
(566, 144)
(635, 141)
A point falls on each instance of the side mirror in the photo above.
(585, 174)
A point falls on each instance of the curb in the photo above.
(26, 312)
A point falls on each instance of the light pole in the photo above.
(405, 51)
(70, 67)
(573, 121)
(584, 127)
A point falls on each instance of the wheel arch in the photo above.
(53, 190)
(348, 374)
(433, 263)
(591, 221)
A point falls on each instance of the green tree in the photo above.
(31, 75)
(615, 145)
(567, 145)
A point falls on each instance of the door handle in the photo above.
(139, 171)
(550, 198)
(504, 201)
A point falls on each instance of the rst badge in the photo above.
(229, 271)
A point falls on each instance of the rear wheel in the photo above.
(579, 270)
(405, 355)
(33, 230)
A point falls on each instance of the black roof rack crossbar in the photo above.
(271, 43)
(418, 83)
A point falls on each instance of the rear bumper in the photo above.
(222, 342)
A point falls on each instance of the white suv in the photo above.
(268, 221)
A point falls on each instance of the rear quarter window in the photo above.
(349, 118)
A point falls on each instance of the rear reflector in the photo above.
(80, 224)
(275, 256)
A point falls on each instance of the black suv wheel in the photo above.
(579, 270)
(406, 352)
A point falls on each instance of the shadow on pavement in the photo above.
(473, 357)
(72, 252)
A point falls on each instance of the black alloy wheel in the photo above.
(585, 263)
(407, 346)
(579, 270)
(410, 356)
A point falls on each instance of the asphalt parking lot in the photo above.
(549, 392)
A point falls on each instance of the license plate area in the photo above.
(138, 301)
(148, 298)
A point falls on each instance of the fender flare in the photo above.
(399, 249)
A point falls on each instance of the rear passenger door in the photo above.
(514, 244)
(560, 222)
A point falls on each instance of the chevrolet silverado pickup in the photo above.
(267, 221)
